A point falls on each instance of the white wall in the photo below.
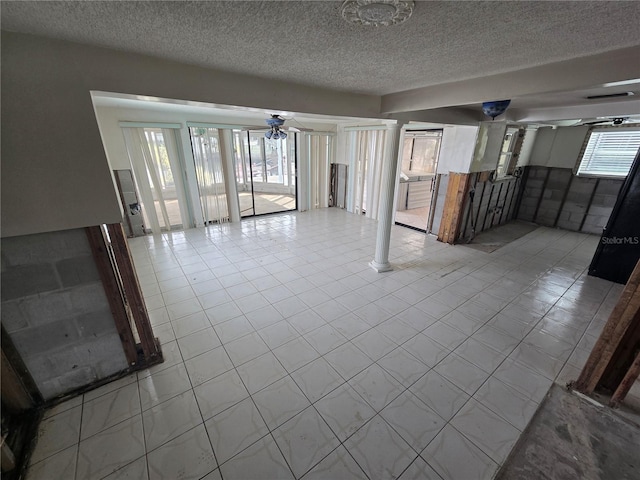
(55, 175)
(488, 146)
(558, 147)
(456, 149)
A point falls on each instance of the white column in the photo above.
(380, 262)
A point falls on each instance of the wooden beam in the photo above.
(627, 382)
(111, 286)
(453, 207)
(132, 291)
(622, 318)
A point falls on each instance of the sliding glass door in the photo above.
(265, 173)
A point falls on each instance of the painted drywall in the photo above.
(558, 147)
(530, 135)
(456, 149)
(55, 175)
(488, 146)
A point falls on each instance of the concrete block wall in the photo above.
(56, 312)
(555, 197)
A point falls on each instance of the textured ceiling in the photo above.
(309, 43)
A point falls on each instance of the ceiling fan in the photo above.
(276, 128)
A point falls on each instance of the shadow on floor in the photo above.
(498, 237)
(569, 438)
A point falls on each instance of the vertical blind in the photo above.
(610, 153)
(366, 149)
(205, 144)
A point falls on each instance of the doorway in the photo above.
(265, 172)
(416, 185)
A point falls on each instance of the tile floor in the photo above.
(288, 357)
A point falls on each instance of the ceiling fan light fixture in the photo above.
(495, 108)
(377, 13)
(275, 122)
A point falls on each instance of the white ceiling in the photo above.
(309, 43)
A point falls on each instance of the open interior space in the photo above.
(204, 269)
(286, 356)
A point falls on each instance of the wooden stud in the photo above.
(15, 373)
(627, 383)
(112, 289)
(453, 207)
(621, 319)
(132, 291)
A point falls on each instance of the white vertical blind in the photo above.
(366, 149)
(207, 157)
(156, 167)
(610, 152)
(319, 154)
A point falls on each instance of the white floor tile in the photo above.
(260, 461)
(234, 429)
(305, 440)
(188, 456)
(379, 450)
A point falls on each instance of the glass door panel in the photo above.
(265, 173)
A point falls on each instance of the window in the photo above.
(609, 152)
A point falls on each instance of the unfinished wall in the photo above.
(494, 203)
(56, 312)
(555, 197)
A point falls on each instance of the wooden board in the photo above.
(453, 207)
(623, 317)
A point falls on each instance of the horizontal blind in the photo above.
(610, 153)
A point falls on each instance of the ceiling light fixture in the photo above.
(495, 108)
(275, 122)
(377, 13)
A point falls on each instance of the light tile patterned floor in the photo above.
(287, 356)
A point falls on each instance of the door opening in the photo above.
(417, 182)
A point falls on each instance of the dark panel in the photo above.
(619, 248)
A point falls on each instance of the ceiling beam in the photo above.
(575, 74)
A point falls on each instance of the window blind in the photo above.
(610, 153)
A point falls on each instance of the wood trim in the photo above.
(622, 319)
(132, 291)
(453, 207)
(112, 289)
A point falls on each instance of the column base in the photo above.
(380, 267)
